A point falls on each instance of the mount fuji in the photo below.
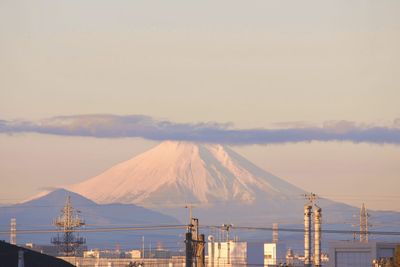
(220, 184)
(181, 172)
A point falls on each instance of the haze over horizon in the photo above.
(325, 74)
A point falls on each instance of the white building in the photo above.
(357, 254)
(229, 253)
(234, 253)
(274, 253)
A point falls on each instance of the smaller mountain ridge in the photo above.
(40, 212)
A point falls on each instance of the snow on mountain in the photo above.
(183, 172)
(221, 185)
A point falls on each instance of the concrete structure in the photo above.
(235, 253)
(294, 259)
(136, 254)
(274, 254)
(356, 254)
(317, 236)
(307, 235)
(113, 254)
(229, 253)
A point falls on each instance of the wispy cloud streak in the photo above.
(114, 126)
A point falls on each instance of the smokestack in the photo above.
(275, 234)
(307, 235)
(317, 236)
(13, 231)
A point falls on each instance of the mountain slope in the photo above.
(181, 172)
(40, 212)
(222, 186)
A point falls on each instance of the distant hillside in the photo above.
(40, 212)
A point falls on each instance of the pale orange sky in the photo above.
(251, 63)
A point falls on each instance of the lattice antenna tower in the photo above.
(68, 222)
(311, 197)
(363, 224)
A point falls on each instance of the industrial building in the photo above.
(274, 254)
(228, 253)
(359, 254)
(235, 253)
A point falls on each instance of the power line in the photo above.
(95, 230)
(184, 226)
(297, 230)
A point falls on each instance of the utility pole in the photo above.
(190, 210)
(142, 247)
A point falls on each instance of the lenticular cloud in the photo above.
(115, 126)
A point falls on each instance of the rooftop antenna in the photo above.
(227, 228)
(311, 197)
(190, 207)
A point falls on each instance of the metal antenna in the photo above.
(190, 209)
(67, 222)
(311, 197)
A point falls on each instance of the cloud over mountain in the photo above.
(116, 126)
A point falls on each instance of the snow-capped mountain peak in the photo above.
(184, 172)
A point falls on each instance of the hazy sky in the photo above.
(250, 63)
